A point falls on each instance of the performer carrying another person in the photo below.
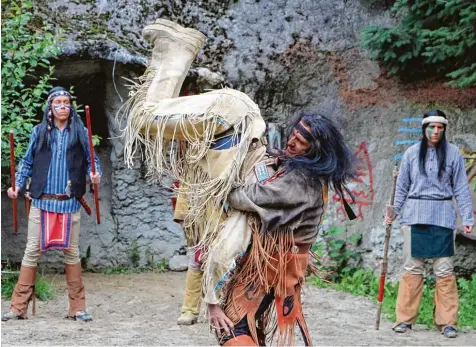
(244, 207)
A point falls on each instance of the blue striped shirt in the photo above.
(58, 175)
(432, 209)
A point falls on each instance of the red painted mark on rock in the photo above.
(364, 193)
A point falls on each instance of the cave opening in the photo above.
(86, 78)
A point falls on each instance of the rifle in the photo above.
(12, 176)
(93, 164)
(388, 230)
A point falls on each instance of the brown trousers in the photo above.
(410, 290)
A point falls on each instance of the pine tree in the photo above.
(433, 38)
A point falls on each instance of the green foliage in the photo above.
(86, 258)
(134, 254)
(134, 257)
(43, 289)
(27, 48)
(162, 266)
(467, 301)
(365, 283)
(341, 252)
(96, 140)
(433, 38)
(117, 270)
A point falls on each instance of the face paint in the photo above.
(434, 133)
(57, 107)
(440, 135)
(431, 130)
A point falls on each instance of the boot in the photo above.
(175, 47)
(22, 294)
(191, 302)
(76, 293)
(446, 303)
(410, 292)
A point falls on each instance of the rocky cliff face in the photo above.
(288, 56)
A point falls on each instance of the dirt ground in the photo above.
(141, 309)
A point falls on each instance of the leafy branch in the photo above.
(27, 51)
(433, 38)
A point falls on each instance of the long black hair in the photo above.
(440, 146)
(75, 125)
(329, 157)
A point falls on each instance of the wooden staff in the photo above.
(12, 176)
(388, 229)
(93, 164)
(33, 303)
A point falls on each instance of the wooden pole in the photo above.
(93, 164)
(388, 230)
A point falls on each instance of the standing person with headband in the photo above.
(431, 175)
(57, 160)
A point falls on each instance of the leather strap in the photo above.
(55, 197)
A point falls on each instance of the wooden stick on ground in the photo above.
(388, 230)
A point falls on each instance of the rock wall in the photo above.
(288, 56)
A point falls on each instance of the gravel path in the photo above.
(141, 309)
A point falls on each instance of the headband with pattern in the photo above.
(59, 93)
